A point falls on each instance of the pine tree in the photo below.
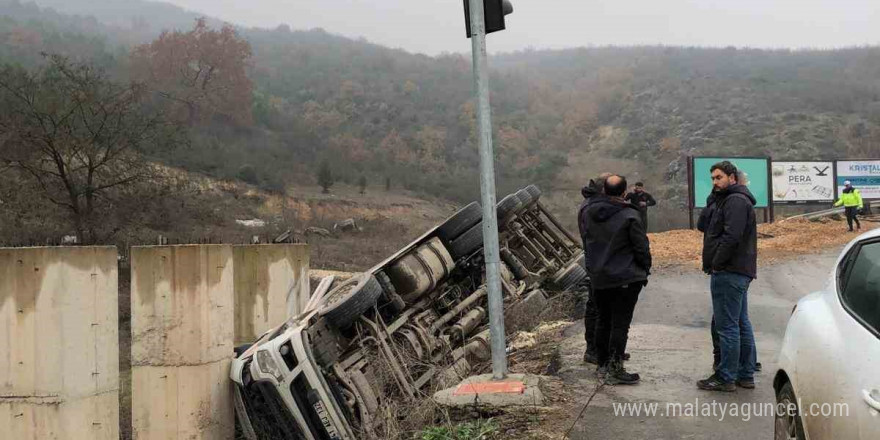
(325, 177)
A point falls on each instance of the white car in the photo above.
(829, 366)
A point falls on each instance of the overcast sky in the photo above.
(435, 26)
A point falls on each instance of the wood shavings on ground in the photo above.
(777, 241)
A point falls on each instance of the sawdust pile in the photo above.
(776, 241)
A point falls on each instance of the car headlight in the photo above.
(268, 366)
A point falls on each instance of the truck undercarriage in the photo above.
(416, 320)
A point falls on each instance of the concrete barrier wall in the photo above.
(182, 311)
(271, 284)
(59, 347)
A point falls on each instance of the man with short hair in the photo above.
(851, 199)
(595, 189)
(730, 256)
(641, 200)
(618, 258)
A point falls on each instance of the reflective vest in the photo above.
(851, 199)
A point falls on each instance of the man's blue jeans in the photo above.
(736, 338)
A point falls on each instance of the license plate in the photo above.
(325, 420)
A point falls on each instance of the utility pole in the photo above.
(491, 252)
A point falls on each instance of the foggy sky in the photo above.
(435, 26)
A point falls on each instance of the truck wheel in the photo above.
(525, 198)
(348, 301)
(569, 277)
(467, 243)
(460, 222)
(534, 191)
(507, 207)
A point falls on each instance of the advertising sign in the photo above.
(757, 171)
(864, 175)
(803, 182)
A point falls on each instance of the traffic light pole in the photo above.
(498, 339)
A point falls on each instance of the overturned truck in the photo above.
(416, 319)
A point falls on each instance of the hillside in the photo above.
(560, 116)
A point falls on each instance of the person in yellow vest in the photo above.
(851, 199)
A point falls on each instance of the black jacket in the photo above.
(617, 248)
(730, 232)
(636, 198)
(590, 192)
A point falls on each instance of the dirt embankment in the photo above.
(776, 242)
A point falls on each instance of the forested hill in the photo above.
(559, 115)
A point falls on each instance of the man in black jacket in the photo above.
(618, 258)
(641, 200)
(730, 256)
(594, 190)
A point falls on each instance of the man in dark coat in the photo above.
(595, 189)
(730, 251)
(618, 258)
(641, 200)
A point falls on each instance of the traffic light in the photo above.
(495, 10)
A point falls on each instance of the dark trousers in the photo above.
(616, 307)
(852, 215)
(644, 214)
(591, 318)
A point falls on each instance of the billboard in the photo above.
(864, 175)
(757, 172)
(803, 182)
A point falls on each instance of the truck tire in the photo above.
(460, 222)
(525, 198)
(508, 207)
(534, 191)
(467, 243)
(349, 300)
(569, 277)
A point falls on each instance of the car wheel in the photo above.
(788, 426)
(467, 243)
(345, 303)
(460, 222)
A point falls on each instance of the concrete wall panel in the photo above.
(271, 284)
(182, 341)
(59, 346)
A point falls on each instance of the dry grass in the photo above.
(776, 241)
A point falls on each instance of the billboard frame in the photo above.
(837, 174)
(833, 163)
(769, 214)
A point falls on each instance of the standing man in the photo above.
(641, 200)
(618, 258)
(851, 199)
(730, 256)
(595, 189)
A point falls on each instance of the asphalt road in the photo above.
(671, 348)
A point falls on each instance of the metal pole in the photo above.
(691, 183)
(497, 337)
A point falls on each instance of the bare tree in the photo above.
(79, 137)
